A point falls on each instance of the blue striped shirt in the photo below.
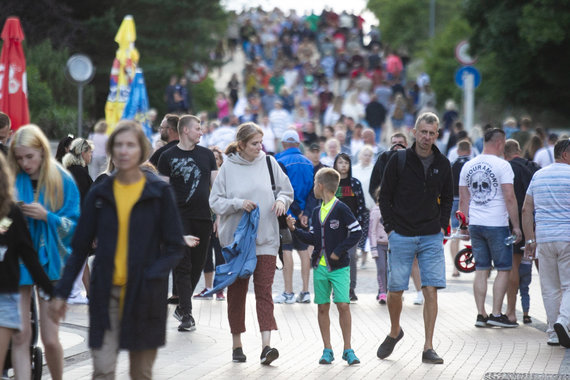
(550, 190)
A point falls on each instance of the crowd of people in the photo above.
(322, 146)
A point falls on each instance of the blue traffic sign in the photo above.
(462, 72)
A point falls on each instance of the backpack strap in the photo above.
(270, 172)
(401, 161)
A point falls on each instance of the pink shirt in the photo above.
(223, 108)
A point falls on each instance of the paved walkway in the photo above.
(469, 352)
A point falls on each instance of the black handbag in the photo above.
(284, 233)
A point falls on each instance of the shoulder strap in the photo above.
(401, 161)
(270, 172)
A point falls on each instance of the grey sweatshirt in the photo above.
(239, 180)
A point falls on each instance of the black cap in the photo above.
(314, 146)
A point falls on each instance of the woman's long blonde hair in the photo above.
(6, 187)
(49, 180)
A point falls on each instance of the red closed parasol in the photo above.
(13, 84)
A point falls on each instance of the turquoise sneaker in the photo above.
(350, 357)
(327, 357)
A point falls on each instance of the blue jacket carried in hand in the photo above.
(240, 255)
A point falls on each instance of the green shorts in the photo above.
(338, 280)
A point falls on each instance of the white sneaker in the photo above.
(78, 300)
(553, 340)
(419, 299)
(284, 298)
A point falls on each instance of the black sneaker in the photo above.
(388, 345)
(173, 300)
(187, 323)
(177, 314)
(238, 356)
(268, 355)
(502, 321)
(431, 357)
(353, 297)
(562, 333)
(481, 321)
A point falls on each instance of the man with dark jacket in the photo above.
(524, 170)
(415, 202)
(168, 132)
(397, 141)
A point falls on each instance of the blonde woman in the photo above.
(15, 245)
(50, 202)
(244, 184)
(76, 162)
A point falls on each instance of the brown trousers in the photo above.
(262, 283)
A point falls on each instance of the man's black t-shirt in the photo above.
(189, 172)
(156, 155)
(455, 171)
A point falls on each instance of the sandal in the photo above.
(526, 319)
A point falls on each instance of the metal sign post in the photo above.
(468, 78)
(469, 100)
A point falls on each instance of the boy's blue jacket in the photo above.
(339, 232)
(240, 255)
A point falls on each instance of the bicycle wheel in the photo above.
(464, 261)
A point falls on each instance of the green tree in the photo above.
(52, 98)
(405, 23)
(523, 46)
(440, 62)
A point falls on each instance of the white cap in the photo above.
(290, 136)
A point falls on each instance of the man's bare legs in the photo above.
(430, 315)
(513, 288)
(395, 310)
(499, 290)
(305, 256)
(288, 271)
(480, 290)
(453, 249)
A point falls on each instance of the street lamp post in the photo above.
(80, 71)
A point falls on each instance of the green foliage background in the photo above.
(171, 35)
(522, 48)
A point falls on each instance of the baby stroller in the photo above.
(35, 351)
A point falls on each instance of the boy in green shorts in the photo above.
(334, 230)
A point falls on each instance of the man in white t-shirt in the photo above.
(545, 156)
(487, 198)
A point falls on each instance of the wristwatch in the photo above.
(530, 241)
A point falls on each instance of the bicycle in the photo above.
(464, 260)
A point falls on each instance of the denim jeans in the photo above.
(489, 245)
(431, 260)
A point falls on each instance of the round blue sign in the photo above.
(462, 72)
